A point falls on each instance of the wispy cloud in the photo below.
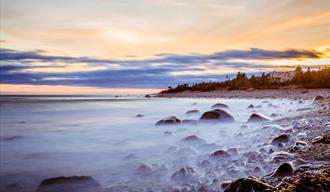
(32, 67)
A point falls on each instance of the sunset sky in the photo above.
(141, 46)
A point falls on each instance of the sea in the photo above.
(102, 137)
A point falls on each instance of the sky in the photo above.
(129, 46)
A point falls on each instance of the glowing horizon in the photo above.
(148, 45)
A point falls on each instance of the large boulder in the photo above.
(219, 105)
(248, 184)
(172, 120)
(256, 117)
(70, 184)
(217, 114)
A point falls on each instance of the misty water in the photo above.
(43, 137)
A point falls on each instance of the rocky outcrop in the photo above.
(248, 184)
(70, 184)
(256, 117)
(172, 120)
(217, 114)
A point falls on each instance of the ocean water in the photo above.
(44, 137)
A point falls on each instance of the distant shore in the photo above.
(267, 93)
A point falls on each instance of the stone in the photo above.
(318, 98)
(256, 117)
(189, 121)
(70, 184)
(185, 173)
(217, 114)
(247, 184)
(139, 115)
(284, 138)
(220, 154)
(285, 169)
(250, 106)
(194, 111)
(219, 105)
(172, 120)
(144, 168)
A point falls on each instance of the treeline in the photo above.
(300, 79)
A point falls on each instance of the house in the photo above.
(281, 76)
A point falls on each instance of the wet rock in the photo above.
(233, 151)
(168, 133)
(185, 173)
(300, 102)
(219, 154)
(321, 140)
(300, 145)
(70, 184)
(219, 105)
(139, 115)
(285, 169)
(248, 184)
(172, 120)
(192, 112)
(304, 109)
(189, 121)
(194, 103)
(250, 106)
(274, 115)
(147, 96)
(217, 114)
(284, 138)
(256, 117)
(281, 156)
(193, 139)
(318, 98)
(144, 169)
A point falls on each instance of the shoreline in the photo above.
(304, 94)
(311, 167)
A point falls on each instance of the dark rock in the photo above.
(220, 154)
(189, 121)
(169, 121)
(185, 173)
(139, 115)
(168, 133)
(248, 184)
(281, 139)
(148, 96)
(11, 138)
(192, 112)
(70, 184)
(217, 114)
(321, 140)
(274, 115)
(281, 156)
(250, 106)
(304, 109)
(285, 169)
(255, 117)
(318, 98)
(219, 105)
(192, 138)
(144, 168)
